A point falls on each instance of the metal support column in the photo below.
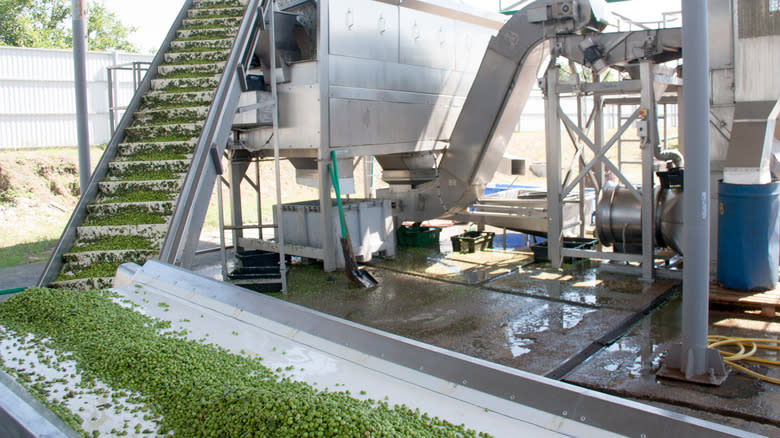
(326, 204)
(692, 360)
(598, 132)
(79, 13)
(279, 234)
(239, 163)
(552, 127)
(648, 178)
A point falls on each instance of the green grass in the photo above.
(24, 253)
(107, 243)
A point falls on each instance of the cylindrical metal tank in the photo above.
(619, 214)
(748, 235)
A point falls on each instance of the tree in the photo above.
(46, 23)
(105, 31)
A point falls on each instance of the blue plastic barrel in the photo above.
(748, 235)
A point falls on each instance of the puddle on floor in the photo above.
(581, 283)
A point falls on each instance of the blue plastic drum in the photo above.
(748, 235)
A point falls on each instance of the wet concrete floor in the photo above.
(500, 306)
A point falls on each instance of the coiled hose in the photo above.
(746, 350)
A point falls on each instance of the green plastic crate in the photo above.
(415, 235)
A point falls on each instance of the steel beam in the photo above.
(552, 128)
(692, 360)
(326, 205)
(647, 147)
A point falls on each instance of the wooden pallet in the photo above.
(767, 301)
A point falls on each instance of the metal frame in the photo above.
(431, 367)
(185, 225)
(138, 70)
(558, 189)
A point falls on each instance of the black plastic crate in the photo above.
(257, 258)
(472, 241)
(541, 253)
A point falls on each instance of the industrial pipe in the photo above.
(619, 214)
(79, 13)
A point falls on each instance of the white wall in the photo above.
(37, 97)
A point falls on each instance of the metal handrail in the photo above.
(239, 59)
(68, 237)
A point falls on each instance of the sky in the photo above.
(153, 18)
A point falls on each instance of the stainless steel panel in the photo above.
(721, 35)
(299, 120)
(427, 39)
(722, 83)
(357, 122)
(757, 63)
(338, 92)
(470, 44)
(364, 73)
(254, 108)
(364, 29)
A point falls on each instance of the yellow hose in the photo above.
(746, 350)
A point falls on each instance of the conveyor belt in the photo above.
(149, 187)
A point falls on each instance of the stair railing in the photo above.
(184, 228)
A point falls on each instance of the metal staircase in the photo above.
(145, 198)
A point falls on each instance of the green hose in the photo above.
(15, 290)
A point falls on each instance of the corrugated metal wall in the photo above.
(757, 60)
(37, 98)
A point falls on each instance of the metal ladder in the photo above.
(279, 227)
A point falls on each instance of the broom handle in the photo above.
(334, 175)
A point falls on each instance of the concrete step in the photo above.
(214, 44)
(153, 232)
(194, 58)
(172, 84)
(84, 283)
(113, 188)
(182, 69)
(126, 151)
(222, 22)
(199, 4)
(189, 98)
(150, 132)
(119, 170)
(215, 32)
(98, 211)
(81, 260)
(234, 11)
(158, 116)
